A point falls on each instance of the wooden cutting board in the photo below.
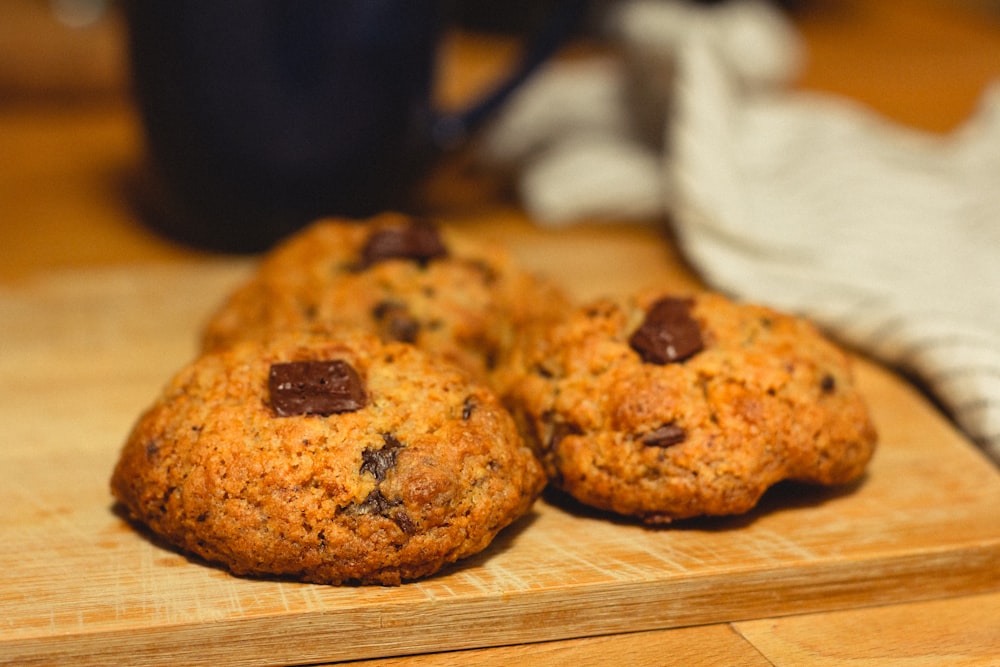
(81, 353)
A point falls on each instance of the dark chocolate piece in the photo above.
(541, 371)
(396, 322)
(828, 384)
(378, 462)
(668, 334)
(404, 521)
(562, 429)
(315, 388)
(418, 241)
(376, 503)
(665, 436)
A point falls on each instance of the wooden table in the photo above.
(63, 216)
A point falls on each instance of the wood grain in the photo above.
(85, 351)
(707, 646)
(959, 633)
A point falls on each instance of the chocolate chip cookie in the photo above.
(399, 276)
(664, 407)
(331, 460)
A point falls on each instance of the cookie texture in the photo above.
(398, 276)
(329, 459)
(663, 407)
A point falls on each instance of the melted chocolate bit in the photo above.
(668, 334)
(665, 436)
(378, 462)
(468, 407)
(375, 503)
(418, 241)
(562, 429)
(541, 371)
(828, 384)
(315, 388)
(396, 322)
(404, 521)
(488, 272)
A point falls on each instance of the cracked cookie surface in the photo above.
(330, 460)
(666, 408)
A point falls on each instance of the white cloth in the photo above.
(887, 237)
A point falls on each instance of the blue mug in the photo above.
(262, 115)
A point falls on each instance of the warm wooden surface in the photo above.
(85, 351)
(63, 163)
(923, 63)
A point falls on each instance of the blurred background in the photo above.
(73, 51)
(70, 138)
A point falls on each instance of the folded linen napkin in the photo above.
(887, 237)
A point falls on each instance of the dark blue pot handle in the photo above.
(451, 129)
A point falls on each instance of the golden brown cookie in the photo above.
(329, 460)
(396, 275)
(665, 408)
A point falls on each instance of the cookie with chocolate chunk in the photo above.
(664, 407)
(329, 460)
(399, 276)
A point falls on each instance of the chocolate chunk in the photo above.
(486, 270)
(468, 407)
(418, 241)
(375, 503)
(378, 462)
(541, 371)
(828, 384)
(664, 436)
(404, 521)
(562, 429)
(668, 334)
(396, 322)
(315, 388)
(378, 504)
